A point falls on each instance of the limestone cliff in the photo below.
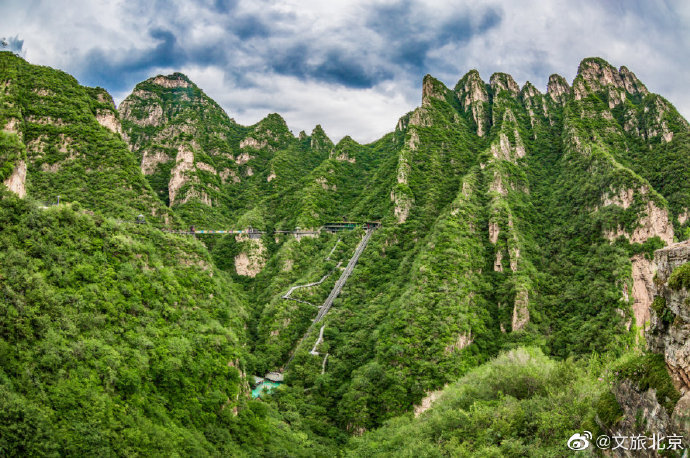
(648, 403)
(669, 333)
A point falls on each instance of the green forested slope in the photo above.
(510, 217)
(118, 339)
(529, 232)
(73, 148)
(520, 404)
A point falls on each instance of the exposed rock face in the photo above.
(643, 288)
(506, 151)
(529, 91)
(521, 310)
(402, 205)
(173, 81)
(168, 118)
(623, 199)
(420, 117)
(151, 115)
(504, 82)
(227, 174)
(655, 223)
(251, 142)
(150, 161)
(108, 120)
(498, 266)
(684, 216)
(595, 75)
(184, 163)
(343, 157)
(558, 88)
(319, 140)
(669, 334)
(17, 181)
(642, 413)
(250, 262)
(244, 157)
(494, 230)
(432, 89)
(670, 325)
(534, 102)
(631, 83)
(472, 93)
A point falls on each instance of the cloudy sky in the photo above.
(353, 66)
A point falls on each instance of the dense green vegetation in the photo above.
(117, 339)
(12, 150)
(649, 371)
(520, 404)
(509, 218)
(69, 153)
(680, 277)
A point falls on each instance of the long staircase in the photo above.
(323, 310)
(343, 277)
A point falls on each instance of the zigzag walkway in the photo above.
(287, 295)
(337, 288)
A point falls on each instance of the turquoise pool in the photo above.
(266, 386)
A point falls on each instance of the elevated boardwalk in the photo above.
(256, 234)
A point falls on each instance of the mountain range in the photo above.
(515, 258)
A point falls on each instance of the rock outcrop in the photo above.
(558, 88)
(17, 181)
(472, 93)
(669, 333)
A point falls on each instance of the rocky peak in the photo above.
(597, 75)
(176, 80)
(557, 88)
(345, 150)
(472, 94)
(504, 82)
(319, 139)
(631, 83)
(471, 88)
(432, 89)
(528, 91)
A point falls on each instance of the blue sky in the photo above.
(353, 66)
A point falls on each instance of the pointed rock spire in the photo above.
(558, 88)
(504, 82)
(631, 83)
(319, 139)
(432, 89)
(529, 90)
(471, 89)
(472, 94)
(598, 73)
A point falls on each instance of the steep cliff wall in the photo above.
(669, 333)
